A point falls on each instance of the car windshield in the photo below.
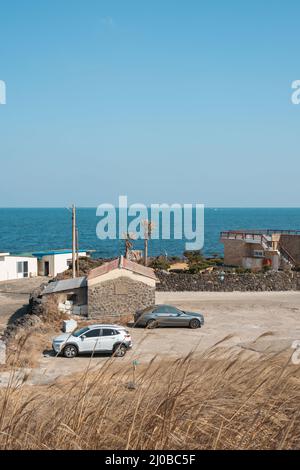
(80, 332)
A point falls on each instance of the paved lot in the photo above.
(242, 317)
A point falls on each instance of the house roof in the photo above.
(64, 285)
(122, 263)
(40, 254)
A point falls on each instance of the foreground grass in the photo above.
(205, 402)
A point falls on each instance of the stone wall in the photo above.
(270, 281)
(118, 297)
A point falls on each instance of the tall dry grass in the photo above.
(198, 402)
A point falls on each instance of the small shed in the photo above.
(53, 262)
(71, 294)
(119, 288)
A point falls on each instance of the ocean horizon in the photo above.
(36, 229)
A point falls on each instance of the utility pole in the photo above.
(77, 252)
(148, 228)
(73, 241)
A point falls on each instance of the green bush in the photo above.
(160, 263)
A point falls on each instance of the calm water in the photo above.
(42, 229)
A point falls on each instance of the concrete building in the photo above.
(255, 249)
(114, 289)
(53, 262)
(119, 288)
(17, 266)
(70, 294)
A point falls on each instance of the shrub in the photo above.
(160, 263)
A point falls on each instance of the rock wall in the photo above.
(118, 297)
(270, 281)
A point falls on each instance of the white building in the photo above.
(51, 263)
(17, 266)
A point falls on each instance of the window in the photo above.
(92, 333)
(108, 332)
(20, 267)
(72, 297)
(80, 332)
(258, 253)
(167, 309)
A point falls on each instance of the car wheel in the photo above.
(194, 324)
(70, 351)
(120, 350)
(151, 323)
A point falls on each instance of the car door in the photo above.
(164, 316)
(90, 340)
(172, 316)
(178, 317)
(107, 339)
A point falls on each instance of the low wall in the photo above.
(211, 282)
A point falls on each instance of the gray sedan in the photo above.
(167, 315)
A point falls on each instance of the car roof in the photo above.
(166, 305)
(105, 325)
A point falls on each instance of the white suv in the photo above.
(93, 338)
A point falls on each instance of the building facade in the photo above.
(17, 266)
(257, 249)
(119, 288)
(51, 263)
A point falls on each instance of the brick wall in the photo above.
(118, 297)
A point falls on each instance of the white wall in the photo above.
(57, 263)
(8, 267)
(41, 265)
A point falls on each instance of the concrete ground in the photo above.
(241, 317)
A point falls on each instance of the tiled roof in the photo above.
(122, 263)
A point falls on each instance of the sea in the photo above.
(40, 229)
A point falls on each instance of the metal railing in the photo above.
(286, 254)
(241, 235)
(261, 232)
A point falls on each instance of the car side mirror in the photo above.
(83, 337)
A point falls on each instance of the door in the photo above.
(108, 339)
(46, 268)
(170, 316)
(90, 341)
(22, 269)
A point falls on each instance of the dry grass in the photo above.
(205, 402)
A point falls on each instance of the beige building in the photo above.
(255, 249)
(114, 289)
(119, 288)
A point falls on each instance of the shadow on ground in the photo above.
(20, 312)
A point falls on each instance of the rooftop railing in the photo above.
(231, 233)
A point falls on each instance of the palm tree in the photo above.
(148, 229)
(128, 243)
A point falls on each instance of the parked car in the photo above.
(167, 315)
(93, 338)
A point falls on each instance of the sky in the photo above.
(163, 101)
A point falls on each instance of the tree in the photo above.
(148, 229)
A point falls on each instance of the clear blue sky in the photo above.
(165, 101)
